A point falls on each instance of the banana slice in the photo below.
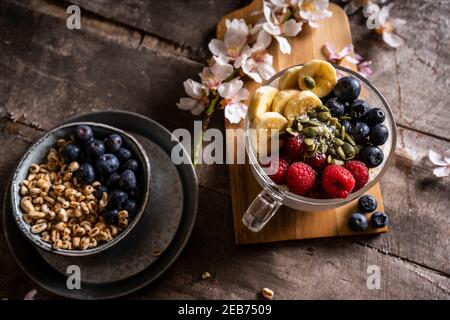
(289, 79)
(281, 98)
(301, 103)
(261, 101)
(318, 77)
(268, 126)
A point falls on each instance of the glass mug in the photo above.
(266, 204)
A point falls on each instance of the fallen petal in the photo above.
(442, 172)
(436, 158)
(30, 295)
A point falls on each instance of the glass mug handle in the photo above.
(262, 209)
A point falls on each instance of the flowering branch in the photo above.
(243, 53)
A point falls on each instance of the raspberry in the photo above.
(337, 181)
(359, 172)
(301, 178)
(295, 147)
(317, 161)
(281, 166)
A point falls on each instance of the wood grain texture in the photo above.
(189, 24)
(54, 82)
(289, 224)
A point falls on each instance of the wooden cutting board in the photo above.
(289, 224)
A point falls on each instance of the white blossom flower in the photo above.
(213, 76)
(379, 20)
(314, 10)
(255, 61)
(442, 161)
(354, 5)
(278, 24)
(198, 97)
(336, 57)
(235, 38)
(233, 94)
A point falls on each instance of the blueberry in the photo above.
(371, 156)
(127, 180)
(367, 203)
(107, 163)
(85, 173)
(346, 107)
(379, 219)
(358, 222)
(112, 180)
(347, 125)
(347, 89)
(110, 215)
(70, 152)
(375, 116)
(123, 154)
(113, 142)
(336, 107)
(117, 197)
(360, 131)
(131, 164)
(378, 134)
(95, 148)
(358, 109)
(98, 193)
(84, 133)
(134, 193)
(131, 207)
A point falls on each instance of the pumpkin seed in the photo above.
(329, 159)
(343, 133)
(324, 116)
(322, 108)
(299, 126)
(310, 83)
(292, 132)
(303, 118)
(349, 139)
(334, 121)
(314, 123)
(309, 141)
(332, 152)
(341, 153)
(311, 131)
(323, 146)
(336, 132)
(338, 142)
(337, 125)
(345, 118)
(312, 147)
(348, 149)
(338, 162)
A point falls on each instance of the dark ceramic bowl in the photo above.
(37, 154)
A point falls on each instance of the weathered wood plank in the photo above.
(311, 269)
(45, 70)
(188, 23)
(414, 77)
(418, 204)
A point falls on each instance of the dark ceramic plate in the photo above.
(37, 154)
(130, 265)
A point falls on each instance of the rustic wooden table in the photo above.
(135, 56)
